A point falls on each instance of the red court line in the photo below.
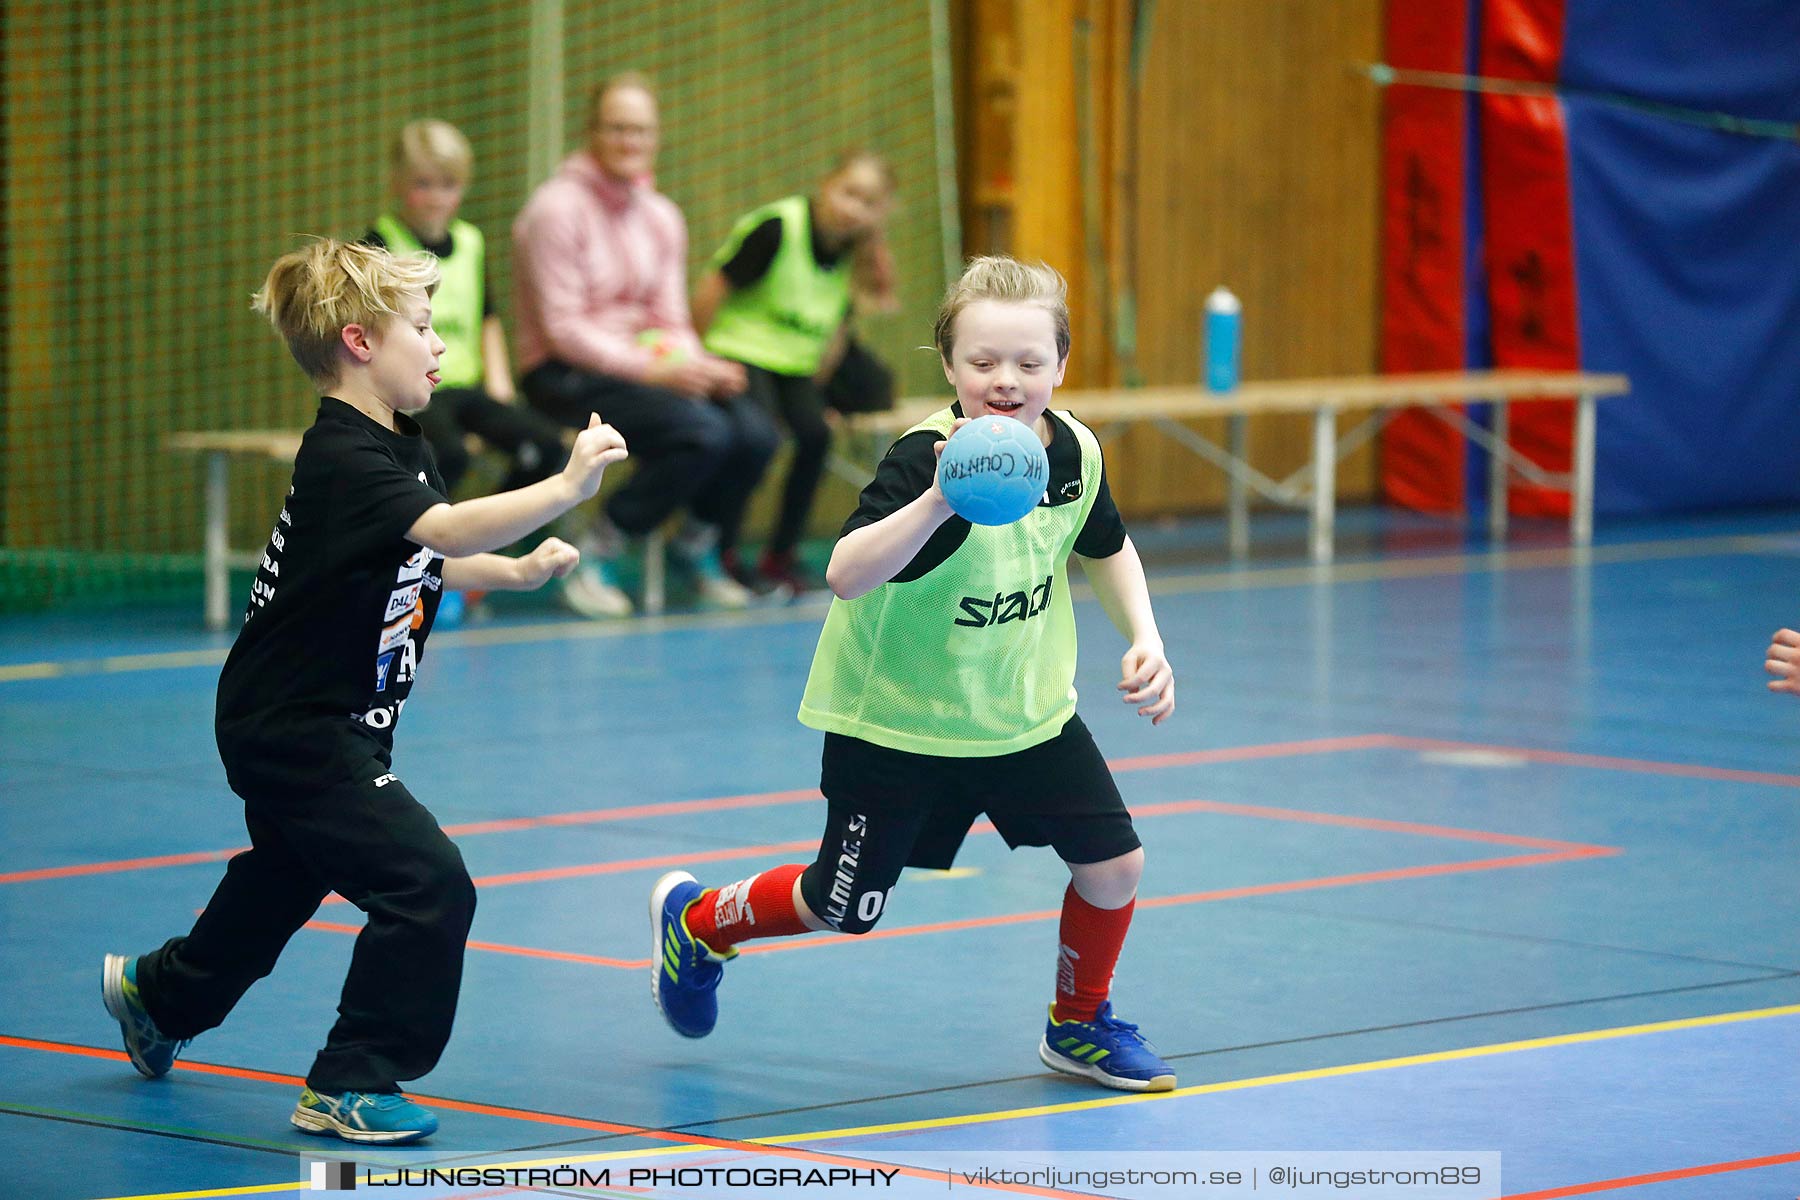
(709, 804)
(1373, 741)
(596, 960)
(695, 1140)
(545, 874)
(618, 866)
(124, 864)
(1428, 870)
(1237, 893)
(469, 829)
(596, 816)
(1148, 762)
(1555, 851)
(1640, 766)
(1375, 823)
(1631, 1181)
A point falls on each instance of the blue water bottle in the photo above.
(1224, 320)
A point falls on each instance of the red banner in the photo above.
(1530, 251)
(1422, 276)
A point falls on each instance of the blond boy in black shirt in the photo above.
(362, 550)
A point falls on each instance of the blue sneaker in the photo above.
(385, 1117)
(151, 1053)
(1107, 1050)
(684, 973)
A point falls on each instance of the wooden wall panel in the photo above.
(1257, 167)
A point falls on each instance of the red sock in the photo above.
(760, 906)
(1088, 949)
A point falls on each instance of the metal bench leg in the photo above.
(1499, 472)
(1324, 497)
(218, 578)
(1581, 495)
(1238, 505)
(655, 557)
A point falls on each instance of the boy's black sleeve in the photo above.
(1103, 534)
(754, 254)
(905, 474)
(374, 499)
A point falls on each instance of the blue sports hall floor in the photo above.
(1451, 848)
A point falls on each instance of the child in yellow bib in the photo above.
(944, 683)
(777, 300)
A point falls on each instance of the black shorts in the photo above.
(1058, 793)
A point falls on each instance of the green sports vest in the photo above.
(975, 659)
(456, 305)
(784, 321)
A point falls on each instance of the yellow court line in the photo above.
(230, 1191)
(1413, 1060)
(1223, 579)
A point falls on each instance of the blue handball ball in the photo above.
(994, 471)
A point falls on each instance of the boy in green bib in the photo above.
(944, 684)
(432, 163)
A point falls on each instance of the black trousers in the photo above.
(531, 440)
(372, 843)
(800, 404)
(703, 455)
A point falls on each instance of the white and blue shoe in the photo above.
(152, 1053)
(386, 1118)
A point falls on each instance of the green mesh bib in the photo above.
(456, 305)
(783, 321)
(975, 659)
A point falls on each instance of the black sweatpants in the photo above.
(800, 404)
(703, 455)
(372, 843)
(533, 441)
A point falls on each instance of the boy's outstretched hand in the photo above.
(1783, 662)
(597, 447)
(1149, 682)
(553, 559)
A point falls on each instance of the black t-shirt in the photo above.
(439, 249)
(909, 468)
(339, 611)
(754, 254)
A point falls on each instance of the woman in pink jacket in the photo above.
(602, 321)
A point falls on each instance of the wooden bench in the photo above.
(1108, 411)
(219, 447)
(1314, 486)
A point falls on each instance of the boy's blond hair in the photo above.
(312, 293)
(432, 147)
(1005, 279)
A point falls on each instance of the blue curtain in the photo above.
(1687, 246)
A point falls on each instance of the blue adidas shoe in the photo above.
(388, 1118)
(684, 973)
(151, 1053)
(1107, 1050)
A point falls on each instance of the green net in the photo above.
(159, 155)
